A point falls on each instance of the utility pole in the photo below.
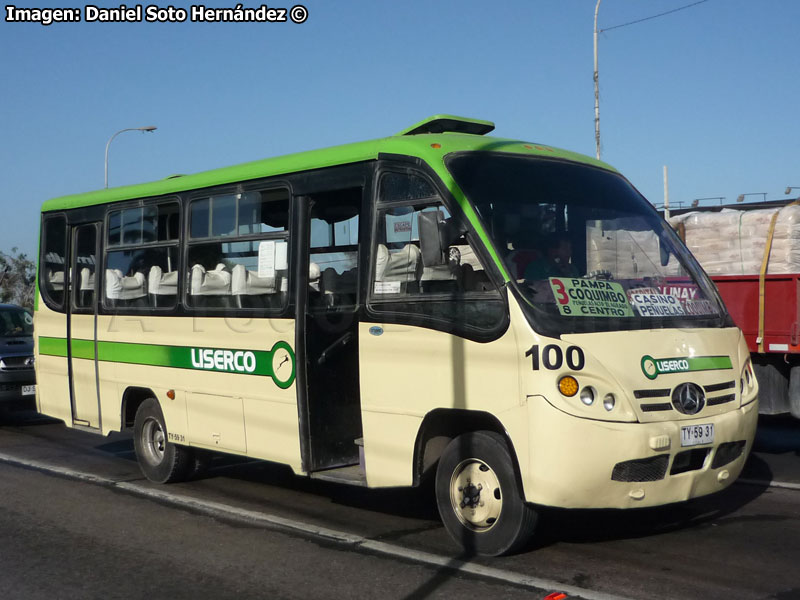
(596, 87)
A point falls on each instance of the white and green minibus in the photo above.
(510, 319)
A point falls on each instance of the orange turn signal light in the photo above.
(171, 394)
(568, 386)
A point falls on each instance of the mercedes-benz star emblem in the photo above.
(688, 398)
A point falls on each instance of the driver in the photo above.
(555, 260)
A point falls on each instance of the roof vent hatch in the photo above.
(449, 124)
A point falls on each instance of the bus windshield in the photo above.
(15, 321)
(585, 250)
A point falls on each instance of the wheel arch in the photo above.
(132, 398)
(441, 426)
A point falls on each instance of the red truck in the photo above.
(752, 253)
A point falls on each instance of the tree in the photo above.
(17, 277)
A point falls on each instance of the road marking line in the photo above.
(241, 513)
(775, 484)
(212, 508)
(483, 571)
(63, 471)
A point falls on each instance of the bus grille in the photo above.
(643, 469)
(651, 393)
(664, 393)
(727, 453)
(689, 460)
(718, 387)
(721, 399)
(15, 363)
(654, 468)
(656, 407)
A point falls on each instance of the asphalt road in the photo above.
(72, 538)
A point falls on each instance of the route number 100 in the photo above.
(552, 357)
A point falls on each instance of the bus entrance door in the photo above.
(328, 380)
(82, 327)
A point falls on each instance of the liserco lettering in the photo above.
(653, 367)
(672, 366)
(237, 361)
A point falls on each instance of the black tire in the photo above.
(201, 462)
(773, 382)
(479, 500)
(794, 391)
(160, 460)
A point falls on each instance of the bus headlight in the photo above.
(609, 402)
(747, 382)
(587, 395)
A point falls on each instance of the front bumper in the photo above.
(11, 383)
(582, 463)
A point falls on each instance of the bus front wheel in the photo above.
(479, 500)
(161, 461)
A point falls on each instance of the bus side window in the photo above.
(238, 250)
(420, 250)
(86, 242)
(334, 248)
(52, 271)
(423, 266)
(141, 268)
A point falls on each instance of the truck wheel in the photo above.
(773, 383)
(479, 500)
(794, 391)
(160, 460)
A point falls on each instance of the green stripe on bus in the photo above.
(144, 354)
(710, 363)
(83, 349)
(53, 346)
(225, 360)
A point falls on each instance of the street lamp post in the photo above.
(789, 189)
(762, 194)
(696, 202)
(142, 129)
(596, 88)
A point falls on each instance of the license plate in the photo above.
(28, 390)
(694, 435)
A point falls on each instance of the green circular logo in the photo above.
(649, 367)
(282, 362)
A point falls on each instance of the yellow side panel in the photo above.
(84, 375)
(216, 421)
(52, 372)
(406, 372)
(240, 413)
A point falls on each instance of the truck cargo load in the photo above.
(752, 253)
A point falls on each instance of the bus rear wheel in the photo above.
(160, 460)
(479, 500)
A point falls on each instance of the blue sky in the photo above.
(711, 91)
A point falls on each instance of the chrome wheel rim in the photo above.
(154, 441)
(475, 495)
